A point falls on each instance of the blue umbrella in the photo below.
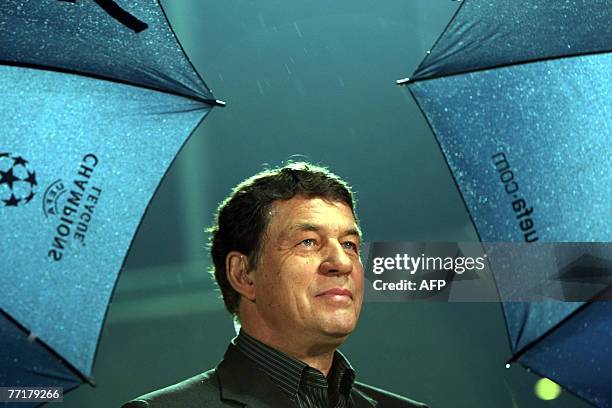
(517, 95)
(97, 99)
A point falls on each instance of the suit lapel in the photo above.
(361, 400)
(241, 381)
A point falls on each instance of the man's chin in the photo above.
(329, 340)
(339, 330)
(334, 326)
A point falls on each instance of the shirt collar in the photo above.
(289, 373)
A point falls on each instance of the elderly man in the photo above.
(285, 249)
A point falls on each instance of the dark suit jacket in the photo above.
(237, 382)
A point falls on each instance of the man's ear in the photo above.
(238, 274)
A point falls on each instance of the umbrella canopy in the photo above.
(97, 99)
(517, 96)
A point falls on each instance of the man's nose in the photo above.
(336, 260)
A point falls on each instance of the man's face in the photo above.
(309, 279)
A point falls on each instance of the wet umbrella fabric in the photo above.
(517, 95)
(97, 99)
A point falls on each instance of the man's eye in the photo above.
(350, 245)
(308, 242)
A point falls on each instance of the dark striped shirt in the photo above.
(306, 386)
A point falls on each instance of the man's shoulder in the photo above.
(386, 398)
(192, 392)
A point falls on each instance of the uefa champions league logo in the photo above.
(18, 183)
(70, 206)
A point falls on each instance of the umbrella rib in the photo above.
(448, 25)
(506, 65)
(602, 296)
(521, 330)
(216, 102)
(83, 377)
(208, 101)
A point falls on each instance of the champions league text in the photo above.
(77, 212)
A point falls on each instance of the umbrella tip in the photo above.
(507, 365)
(402, 81)
(214, 102)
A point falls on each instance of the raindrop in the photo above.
(262, 23)
(297, 29)
(261, 91)
(507, 365)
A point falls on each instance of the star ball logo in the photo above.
(18, 184)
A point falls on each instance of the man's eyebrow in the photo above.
(353, 231)
(306, 226)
